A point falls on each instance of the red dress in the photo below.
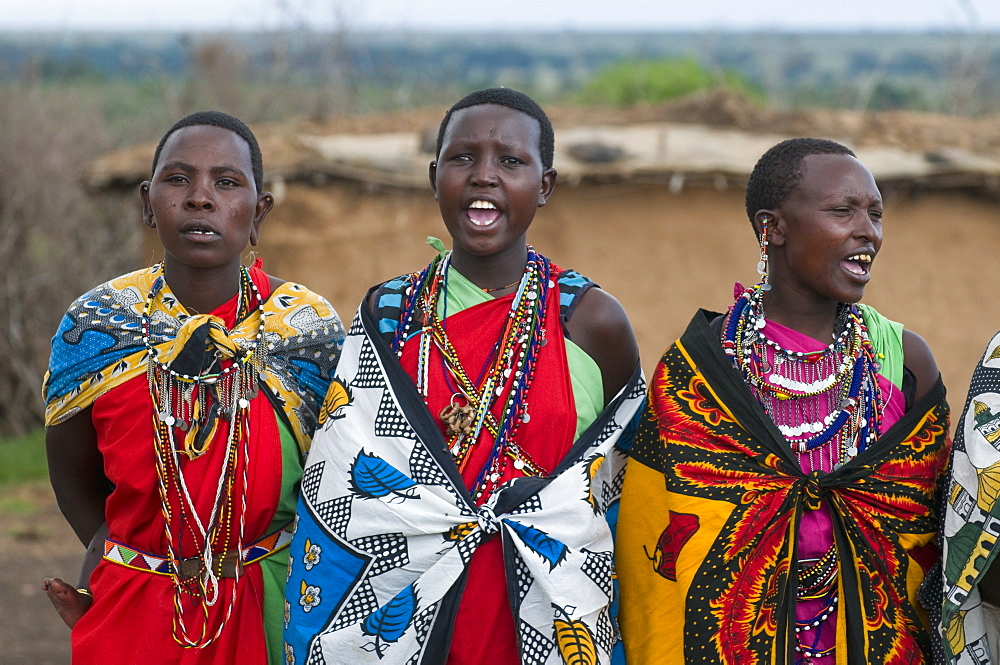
(131, 619)
(484, 627)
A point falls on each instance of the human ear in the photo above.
(147, 208)
(432, 174)
(548, 186)
(264, 204)
(771, 223)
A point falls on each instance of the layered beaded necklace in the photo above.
(814, 398)
(508, 368)
(193, 402)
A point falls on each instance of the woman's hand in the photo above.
(70, 602)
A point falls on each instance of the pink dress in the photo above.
(816, 527)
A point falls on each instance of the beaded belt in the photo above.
(226, 566)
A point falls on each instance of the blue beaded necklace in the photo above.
(857, 418)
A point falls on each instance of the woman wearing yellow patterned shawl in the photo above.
(779, 503)
(179, 402)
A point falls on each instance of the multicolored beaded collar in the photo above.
(509, 368)
(847, 366)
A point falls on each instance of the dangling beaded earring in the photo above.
(762, 264)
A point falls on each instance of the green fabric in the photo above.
(437, 245)
(274, 569)
(274, 572)
(585, 375)
(887, 340)
(588, 386)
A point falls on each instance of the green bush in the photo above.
(631, 82)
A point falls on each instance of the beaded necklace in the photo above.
(788, 383)
(194, 404)
(501, 288)
(182, 398)
(510, 367)
(817, 581)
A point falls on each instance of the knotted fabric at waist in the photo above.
(227, 564)
(817, 485)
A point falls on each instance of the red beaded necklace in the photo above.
(509, 368)
(181, 402)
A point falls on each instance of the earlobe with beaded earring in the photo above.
(762, 263)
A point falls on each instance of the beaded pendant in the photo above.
(193, 403)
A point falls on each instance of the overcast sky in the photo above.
(484, 17)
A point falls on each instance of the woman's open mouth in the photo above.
(482, 213)
(859, 264)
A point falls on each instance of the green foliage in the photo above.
(885, 96)
(890, 96)
(630, 82)
(22, 459)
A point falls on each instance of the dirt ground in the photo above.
(35, 542)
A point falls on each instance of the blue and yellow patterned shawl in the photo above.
(99, 345)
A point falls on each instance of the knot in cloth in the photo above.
(202, 341)
(817, 485)
(815, 491)
(488, 521)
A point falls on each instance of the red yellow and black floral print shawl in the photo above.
(710, 510)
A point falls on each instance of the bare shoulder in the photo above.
(275, 282)
(372, 299)
(917, 356)
(76, 432)
(601, 328)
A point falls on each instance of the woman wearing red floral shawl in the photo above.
(779, 503)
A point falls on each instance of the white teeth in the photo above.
(484, 205)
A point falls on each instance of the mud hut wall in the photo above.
(662, 254)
